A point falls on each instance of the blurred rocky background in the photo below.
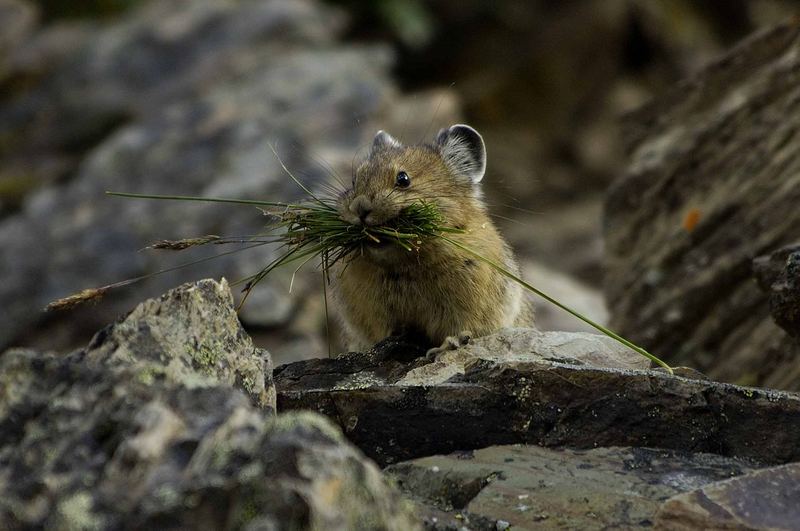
(187, 97)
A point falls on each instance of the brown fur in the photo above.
(440, 290)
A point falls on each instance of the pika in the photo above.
(439, 291)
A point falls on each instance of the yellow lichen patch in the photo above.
(330, 491)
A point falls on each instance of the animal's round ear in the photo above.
(382, 141)
(463, 151)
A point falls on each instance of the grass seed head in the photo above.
(179, 245)
(87, 295)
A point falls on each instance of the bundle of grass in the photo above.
(313, 229)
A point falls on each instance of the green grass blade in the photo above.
(325, 268)
(255, 202)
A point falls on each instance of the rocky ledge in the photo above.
(168, 419)
(552, 389)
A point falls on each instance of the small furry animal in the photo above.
(440, 292)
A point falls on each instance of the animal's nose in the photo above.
(361, 207)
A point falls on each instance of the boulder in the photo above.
(160, 52)
(712, 183)
(185, 336)
(166, 420)
(553, 389)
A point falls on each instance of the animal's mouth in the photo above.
(378, 236)
(406, 230)
(367, 233)
(377, 240)
(381, 243)
(368, 221)
(372, 229)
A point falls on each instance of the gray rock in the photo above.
(144, 428)
(529, 487)
(779, 275)
(159, 53)
(395, 406)
(712, 183)
(761, 500)
(190, 336)
(525, 345)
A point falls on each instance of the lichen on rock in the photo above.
(145, 428)
(191, 336)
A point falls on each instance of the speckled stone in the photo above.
(166, 421)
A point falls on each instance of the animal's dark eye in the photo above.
(402, 180)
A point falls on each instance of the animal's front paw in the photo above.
(449, 343)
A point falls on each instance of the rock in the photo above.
(529, 487)
(161, 52)
(523, 345)
(711, 184)
(189, 336)
(186, 335)
(522, 387)
(145, 428)
(188, 98)
(764, 499)
(779, 275)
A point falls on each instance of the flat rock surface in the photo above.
(579, 349)
(396, 410)
(529, 487)
(764, 499)
(712, 183)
